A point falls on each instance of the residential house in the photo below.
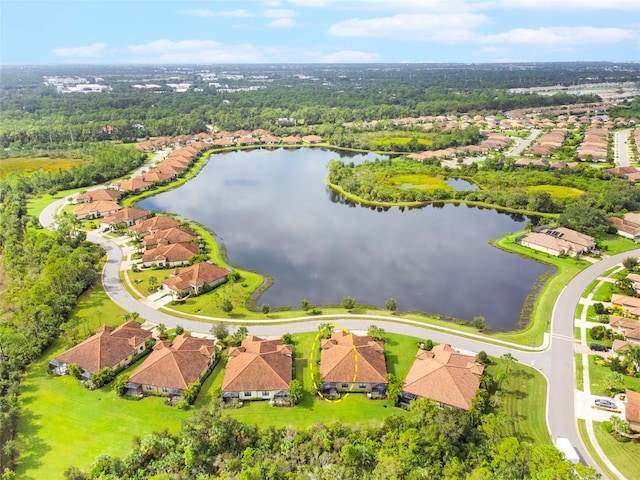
(158, 176)
(635, 281)
(135, 185)
(444, 375)
(127, 216)
(154, 224)
(628, 226)
(350, 362)
(628, 327)
(312, 139)
(172, 366)
(110, 347)
(632, 409)
(258, 369)
(105, 194)
(291, 140)
(559, 241)
(630, 304)
(173, 255)
(99, 209)
(168, 237)
(193, 279)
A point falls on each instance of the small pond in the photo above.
(274, 213)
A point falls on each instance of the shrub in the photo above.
(102, 377)
(599, 309)
(74, 370)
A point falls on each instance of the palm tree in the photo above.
(632, 359)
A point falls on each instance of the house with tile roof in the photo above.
(169, 236)
(158, 176)
(628, 226)
(154, 224)
(630, 304)
(127, 216)
(350, 362)
(97, 209)
(109, 347)
(194, 279)
(559, 241)
(172, 366)
(173, 255)
(135, 185)
(105, 194)
(258, 369)
(632, 409)
(444, 375)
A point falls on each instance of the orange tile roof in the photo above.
(126, 214)
(445, 376)
(105, 194)
(195, 276)
(169, 236)
(100, 207)
(347, 357)
(177, 252)
(108, 347)
(160, 222)
(632, 409)
(176, 364)
(258, 364)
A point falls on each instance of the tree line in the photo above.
(44, 273)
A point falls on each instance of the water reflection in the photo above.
(270, 209)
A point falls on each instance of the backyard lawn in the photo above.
(598, 375)
(623, 455)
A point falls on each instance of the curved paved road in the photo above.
(556, 363)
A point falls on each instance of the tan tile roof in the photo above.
(169, 236)
(100, 207)
(176, 364)
(157, 175)
(135, 183)
(177, 252)
(625, 301)
(108, 347)
(195, 276)
(127, 214)
(153, 224)
(632, 409)
(106, 194)
(445, 376)
(258, 364)
(339, 362)
(623, 322)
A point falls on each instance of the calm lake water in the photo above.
(274, 213)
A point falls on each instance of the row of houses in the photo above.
(262, 369)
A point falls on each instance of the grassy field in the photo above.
(29, 165)
(625, 456)
(556, 191)
(64, 424)
(524, 401)
(419, 182)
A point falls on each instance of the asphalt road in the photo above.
(622, 151)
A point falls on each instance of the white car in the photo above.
(604, 403)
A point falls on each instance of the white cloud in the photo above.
(445, 27)
(571, 4)
(89, 51)
(239, 12)
(350, 56)
(562, 36)
(282, 23)
(397, 5)
(197, 51)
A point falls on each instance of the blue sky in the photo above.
(317, 31)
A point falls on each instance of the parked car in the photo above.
(604, 403)
(596, 347)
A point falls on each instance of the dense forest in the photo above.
(33, 114)
(429, 443)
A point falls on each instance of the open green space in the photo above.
(623, 455)
(556, 191)
(423, 182)
(523, 399)
(29, 165)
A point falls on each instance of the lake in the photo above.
(274, 213)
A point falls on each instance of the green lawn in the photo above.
(615, 244)
(603, 293)
(598, 374)
(64, 424)
(625, 456)
(524, 401)
(420, 182)
(582, 429)
(579, 308)
(579, 373)
(590, 288)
